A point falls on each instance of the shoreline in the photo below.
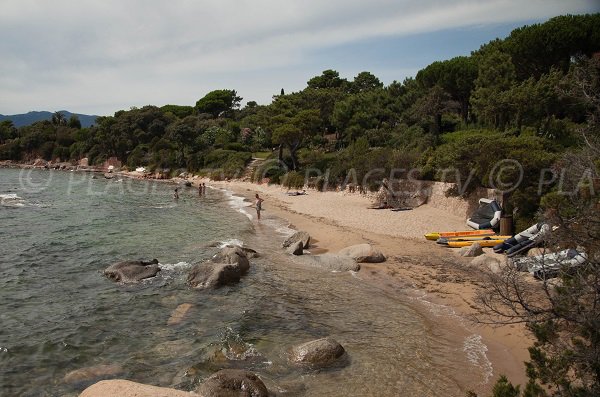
(336, 220)
(443, 277)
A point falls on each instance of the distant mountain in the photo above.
(20, 120)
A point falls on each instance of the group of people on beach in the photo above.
(201, 191)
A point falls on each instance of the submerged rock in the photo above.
(317, 353)
(132, 271)
(92, 373)
(232, 254)
(298, 236)
(179, 313)
(332, 262)
(363, 253)
(233, 382)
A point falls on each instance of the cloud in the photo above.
(106, 55)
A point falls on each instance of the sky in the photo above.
(98, 57)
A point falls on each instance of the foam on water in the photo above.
(11, 200)
(238, 203)
(475, 350)
(232, 241)
(174, 266)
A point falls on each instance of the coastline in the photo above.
(437, 275)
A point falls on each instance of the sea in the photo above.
(65, 326)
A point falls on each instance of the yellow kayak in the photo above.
(483, 243)
(435, 235)
(446, 240)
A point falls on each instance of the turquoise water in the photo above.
(60, 230)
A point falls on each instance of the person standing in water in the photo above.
(176, 193)
(258, 205)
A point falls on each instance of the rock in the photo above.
(331, 262)
(233, 383)
(485, 261)
(226, 267)
(179, 314)
(126, 388)
(132, 271)
(536, 251)
(296, 248)
(363, 253)
(92, 373)
(250, 253)
(298, 236)
(317, 353)
(471, 251)
(213, 275)
(232, 254)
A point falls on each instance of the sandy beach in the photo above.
(338, 219)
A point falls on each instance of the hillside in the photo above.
(20, 120)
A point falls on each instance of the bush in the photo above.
(293, 180)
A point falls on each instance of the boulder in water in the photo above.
(233, 382)
(132, 271)
(226, 267)
(298, 236)
(232, 254)
(317, 353)
(363, 253)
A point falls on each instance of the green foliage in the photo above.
(503, 388)
(293, 180)
(218, 101)
(178, 110)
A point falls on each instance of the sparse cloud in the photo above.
(101, 56)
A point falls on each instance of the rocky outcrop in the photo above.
(298, 236)
(126, 388)
(227, 267)
(317, 353)
(233, 382)
(296, 248)
(363, 253)
(471, 251)
(132, 271)
(332, 262)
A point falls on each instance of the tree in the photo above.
(7, 131)
(432, 106)
(537, 48)
(218, 101)
(562, 315)
(328, 79)
(296, 131)
(456, 76)
(59, 119)
(74, 122)
(365, 81)
(496, 75)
